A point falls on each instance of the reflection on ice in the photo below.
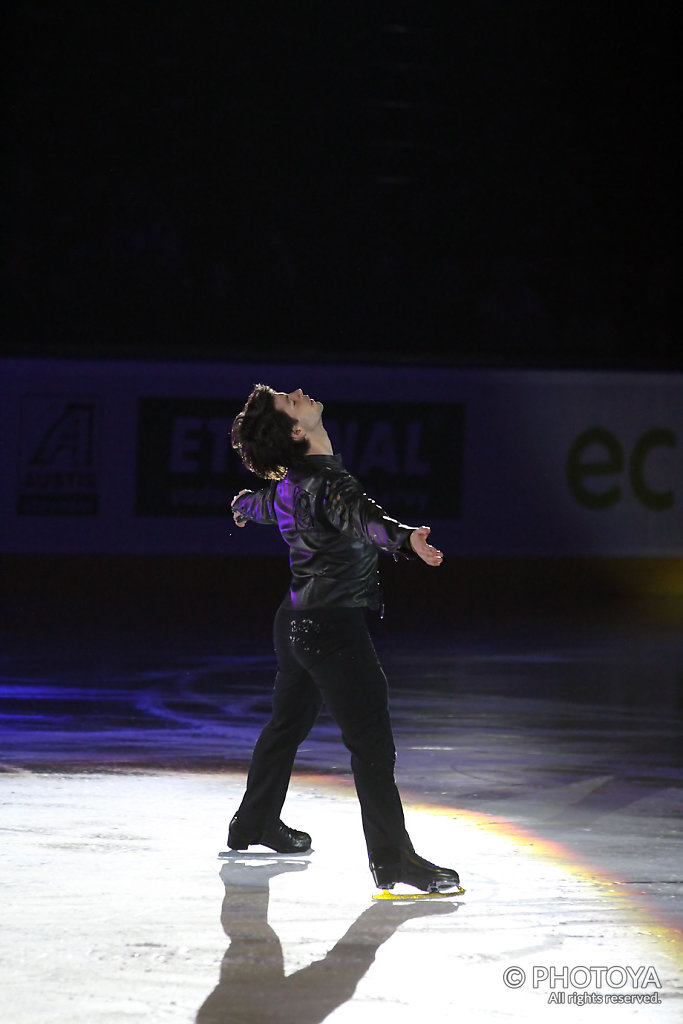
(253, 985)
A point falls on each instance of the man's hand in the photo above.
(240, 520)
(428, 554)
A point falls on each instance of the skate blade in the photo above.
(261, 856)
(388, 894)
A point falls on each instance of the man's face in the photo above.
(304, 410)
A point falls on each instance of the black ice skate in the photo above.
(392, 867)
(280, 838)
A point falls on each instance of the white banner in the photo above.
(106, 457)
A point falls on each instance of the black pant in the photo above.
(327, 655)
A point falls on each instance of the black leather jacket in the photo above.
(333, 530)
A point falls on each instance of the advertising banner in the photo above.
(59, 462)
(135, 457)
(401, 452)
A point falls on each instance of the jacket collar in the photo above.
(314, 463)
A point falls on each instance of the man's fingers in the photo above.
(244, 490)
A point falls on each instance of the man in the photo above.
(323, 647)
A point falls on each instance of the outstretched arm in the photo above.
(351, 511)
(256, 506)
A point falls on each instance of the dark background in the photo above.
(481, 182)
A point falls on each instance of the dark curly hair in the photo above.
(262, 435)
